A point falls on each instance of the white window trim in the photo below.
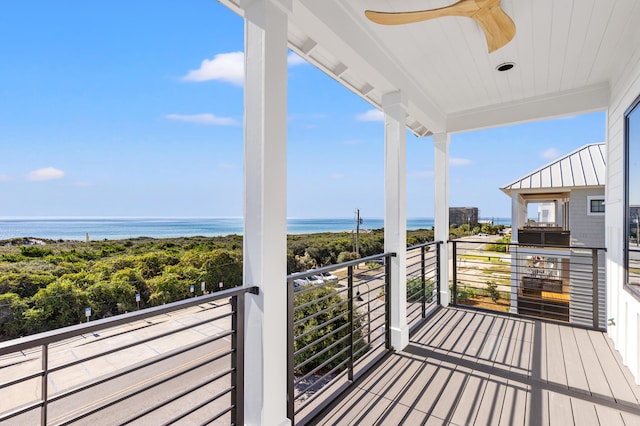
(595, 197)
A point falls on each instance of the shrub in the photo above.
(34, 251)
(492, 288)
(501, 245)
(346, 256)
(463, 295)
(414, 289)
(334, 318)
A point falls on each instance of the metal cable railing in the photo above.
(175, 362)
(423, 281)
(563, 283)
(338, 327)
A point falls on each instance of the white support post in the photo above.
(395, 211)
(518, 219)
(265, 211)
(441, 213)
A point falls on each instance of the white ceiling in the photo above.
(568, 53)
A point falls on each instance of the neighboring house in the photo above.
(570, 194)
(463, 216)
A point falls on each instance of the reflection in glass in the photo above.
(633, 195)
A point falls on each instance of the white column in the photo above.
(441, 206)
(395, 211)
(518, 219)
(265, 212)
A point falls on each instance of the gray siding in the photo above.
(586, 231)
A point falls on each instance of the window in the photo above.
(596, 205)
(632, 197)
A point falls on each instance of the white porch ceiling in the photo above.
(568, 53)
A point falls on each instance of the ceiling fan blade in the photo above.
(461, 8)
(498, 27)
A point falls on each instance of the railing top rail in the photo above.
(330, 268)
(52, 336)
(529, 245)
(430, 243)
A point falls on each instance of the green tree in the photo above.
(113, 297)
(217, 266)
(169, 287)
(58, 305)
(346, 256)
(327, 313)
(12, 322)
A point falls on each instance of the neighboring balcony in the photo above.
(544, 234)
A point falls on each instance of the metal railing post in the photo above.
(237, 360)
(45, 384)
(594, 280)
(290, 350)
(387, 301)
(454, 289)
(424, 283)
(438, 276)
(350, 319)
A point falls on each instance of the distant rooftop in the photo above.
(581, 168)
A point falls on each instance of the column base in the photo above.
(399, 338)
(445, 296)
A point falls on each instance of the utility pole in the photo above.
(358, 222)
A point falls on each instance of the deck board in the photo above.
(492, 401)
(596, 378)
(537, 406)
(609, 417)
(615, 378)
(625, 371)
(555, 357)
(466, 367)
(584, 413)
(560, 412)
(576, 375)
(514, 404)
(469, 404)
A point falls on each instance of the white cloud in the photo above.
(208, 119)
(227, 67)
(336, 176)
(83, 184)
(421, 174)
(48, 173)
(5, 178)
(226, 166)
(453, 161)
(293, 59)
(550, 153)
(371, 115)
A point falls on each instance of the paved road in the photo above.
(87, 345)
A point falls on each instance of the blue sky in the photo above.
(135, 109)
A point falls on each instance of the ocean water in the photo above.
(121, 228)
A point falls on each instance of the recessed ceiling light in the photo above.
(505, 66)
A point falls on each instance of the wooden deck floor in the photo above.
(466, 367)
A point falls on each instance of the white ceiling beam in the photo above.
(589, 99)
(331, 30)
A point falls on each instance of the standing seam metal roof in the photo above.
(580, 168)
